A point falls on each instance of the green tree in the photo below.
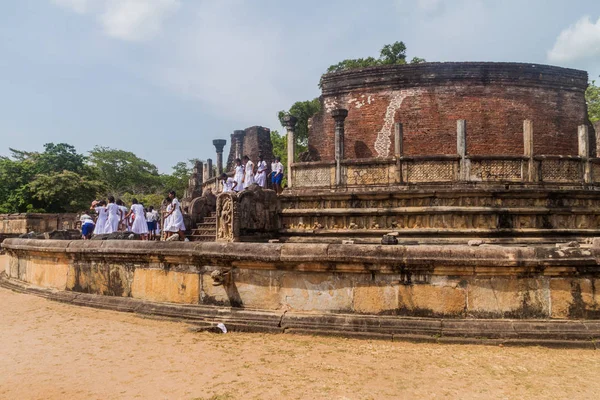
(303, 110)
(55, 180)
(390, 54)
(124, 172)
(592, 97)
(64, 191)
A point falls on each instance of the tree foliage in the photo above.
(592, 97)
(123, 171)
(61, 180)
(390, 54)
(303, 110)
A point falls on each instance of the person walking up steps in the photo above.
(139, 225)
(248, 172)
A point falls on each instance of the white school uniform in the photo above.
(249, 174)
(101, 221)
(112, 223)
(139, 225)
(261, 174)
(175, 223)
(239, 177)
(228, 185)
(124, 213)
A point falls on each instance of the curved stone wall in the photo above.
(494, 99)
(427, 281)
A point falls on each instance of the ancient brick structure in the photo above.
(494, 99)
(251, 142)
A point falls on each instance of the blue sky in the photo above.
(162, 78)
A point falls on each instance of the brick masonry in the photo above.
(427, 99)
(257, 140)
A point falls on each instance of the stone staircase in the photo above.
(206, 231)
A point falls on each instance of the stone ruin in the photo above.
(450, 193)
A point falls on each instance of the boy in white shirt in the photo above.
(277, 174)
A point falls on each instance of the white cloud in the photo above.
(577, 42)
(131, 20)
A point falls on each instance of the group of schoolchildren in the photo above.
(246, 174)
(113, 216)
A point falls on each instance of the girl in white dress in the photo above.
(114, 216)
(175, 218)
(139, 225)
(239, 175)
(261, 172)
(100, 208)
(229, 184)
(248, 172)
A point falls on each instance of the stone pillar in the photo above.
(219, 144)
(290, 126)
(398, 150)
(528, 150)
(583, 137)
(205, 175)
(211, 172)
(238, 137)
(461, 149)
(339, 115)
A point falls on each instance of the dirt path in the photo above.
(50, 350)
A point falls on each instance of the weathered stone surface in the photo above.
(574, 298)
(316, 292)
(431, 300)
(509, 297)
(165, 286)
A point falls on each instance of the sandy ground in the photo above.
(50, 350)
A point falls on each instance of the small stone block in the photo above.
(475, 242)
(347, 241)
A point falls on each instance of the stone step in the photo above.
(203, 225)
(209, 220)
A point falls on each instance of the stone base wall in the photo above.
(498, 211)
(429, 281)
(16, 224)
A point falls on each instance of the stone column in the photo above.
(219, 144)
(461, 149)
(528, 150)
(398, 149)
(290, 126)
(339, 115)
(238, 143)
(584, 151)
(211, 172)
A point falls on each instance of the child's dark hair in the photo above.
(111, 199)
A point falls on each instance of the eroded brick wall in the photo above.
(494, 103)
(257, 140)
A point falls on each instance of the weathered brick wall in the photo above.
(427, 99)
(257, 140)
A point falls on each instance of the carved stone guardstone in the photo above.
(227, 226)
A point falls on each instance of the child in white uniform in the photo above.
(139, 225)
(248, 172)
(229, 184)
(174, 218)
(239, 175)
(261, 172)
(100, 208)
(114, 216)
